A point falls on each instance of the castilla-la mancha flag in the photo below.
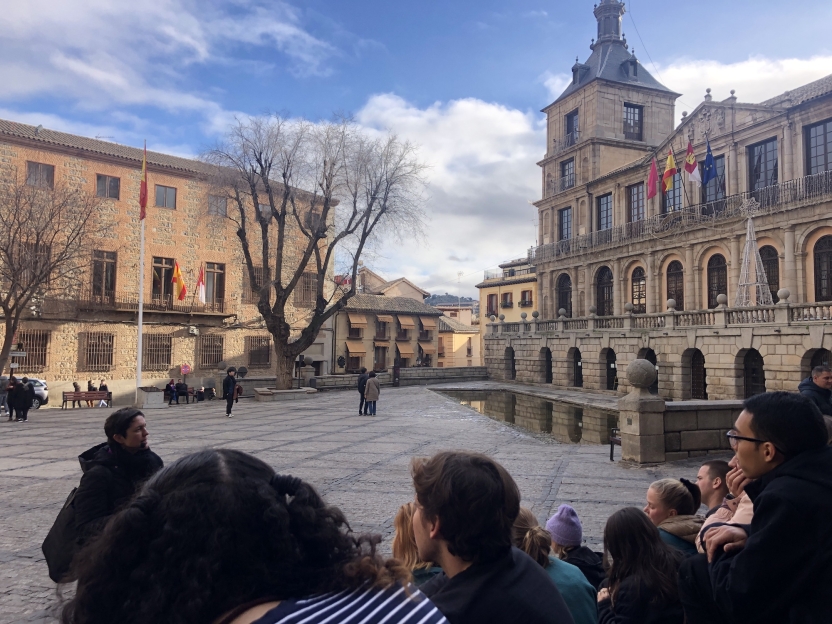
(653, 180)
(179, 289)
(143, 187)
(669, 172)
(691, 166)
(200, 285)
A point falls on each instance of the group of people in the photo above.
(218, 536)
(369, 389)
(16, 397)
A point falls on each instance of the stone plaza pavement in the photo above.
(359, 463)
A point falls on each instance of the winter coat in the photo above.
(362, 382)
(182, 389)
(589, 562)
(817, 395)
(21, 396)
(111, 476)
(783, 573)
(633, 606)
(229, 386)
(372, 390)
(681, 531)
(738, 510)
(577, 593)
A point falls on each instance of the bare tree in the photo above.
(304, 197)
(41, 244)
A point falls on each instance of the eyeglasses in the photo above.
(734, 439)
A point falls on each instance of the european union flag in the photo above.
(708, 167)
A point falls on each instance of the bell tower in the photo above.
(609, 14)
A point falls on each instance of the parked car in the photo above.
(41, 392)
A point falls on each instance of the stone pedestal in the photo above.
(150, 398)
(641, 417)
(307, 373)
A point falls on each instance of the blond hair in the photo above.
(678, 494)
(404, 542)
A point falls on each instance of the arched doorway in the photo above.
(650, 356)
(639, 291)
(546, 364)
(603, 292)
(676, 284)
(717, 279)
(511, 368)
(812, 358)
(771, 265)
(564, 287)
(610, 374)
(823, 269)
(698, 383)
(755, 376)
(577, 368)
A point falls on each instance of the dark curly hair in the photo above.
(212, 531)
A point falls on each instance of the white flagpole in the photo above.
(141, 314)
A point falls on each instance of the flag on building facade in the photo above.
(179, 289)
(653, 180)
(708, 167)
(669, 172)
(200, 285)
(691, 166)
(143, 186)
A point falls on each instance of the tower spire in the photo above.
(609, 14)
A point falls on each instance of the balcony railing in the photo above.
(507, 273)
(567, 182)
(506, 304)
(130, 303)
(381, 336)
(424, 336)
(769, 200)
(525, 303)
(564, 143)
(403, 336)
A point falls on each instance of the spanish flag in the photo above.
(143, 187)
(179, 289)
(669, 172)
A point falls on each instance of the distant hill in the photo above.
(448, 299)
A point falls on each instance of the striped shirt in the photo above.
(359, 606)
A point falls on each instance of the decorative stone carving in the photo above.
(502, 317)
(493, 318)
(523, 315)
(722, 299)
(671, 305)
(704, 122)
(783, 295)
(535, 314)
(562, 313)
(641, 374)
(720, 117)
(629, 307)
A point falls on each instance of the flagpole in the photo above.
(141, 314)
(681, 177)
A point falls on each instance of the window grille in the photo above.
(306, 290)
(251, 293)
(103, 273)
(96, 352)
(210, 352)
(639, 288)
(35, 342)
(156, 352)
(259, 351)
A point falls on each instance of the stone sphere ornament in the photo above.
(783, 294)
(592, 309)
(722, 299)
(523, 315)
(562, 312)
(671, 304)
(493, 318)
(641, 373)
(535, 314)
(307, 359)
(502, 317)
(629, 307)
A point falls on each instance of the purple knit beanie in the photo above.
(565, 527)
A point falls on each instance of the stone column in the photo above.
(788, 153)
(641, 417)
(589, 290)
(734, 177)
(790, 276)
(735, 268)
(576, 292)
(617, 287)
(652, 285)
(541, 290)
(690, 302)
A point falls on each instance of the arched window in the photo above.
(577, 369)
(717, 279)
(511, 367)
(650, 356)
(823, 269)
(676, 284)
(698, 385)
(610, 370)
(564, 295)
(821, 357)
(603, 293)
(546, 357)
(771, 265)
(639, 280)
(755, 376)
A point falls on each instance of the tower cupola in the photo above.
(609, 14)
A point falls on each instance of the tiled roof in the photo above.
(53, 138)
(389, 305)
(518, 279)
(387, 285)
(804, 93)
(447, 324)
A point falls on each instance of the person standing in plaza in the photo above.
(4, 395)
(76, 387)
(372, 390)
(171, 388)
(362, 384)
(182, 390)
(91, 388)
(24, 394)
(229, 389)
(102, 387)
(712, 482)
(818, 389)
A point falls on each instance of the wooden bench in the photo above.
(615, 440)
(96, 396)
(191, 393)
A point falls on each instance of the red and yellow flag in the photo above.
(143, 186)
(179, 289)
(669, 172)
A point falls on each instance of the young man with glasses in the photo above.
(777, 569)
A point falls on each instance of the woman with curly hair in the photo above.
(405, 550)
(219, 537)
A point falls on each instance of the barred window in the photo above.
(96, 352)
(259, 351)
(306, 290)
(251, 294)
(35, 342)
(156, 352)
(210, 350)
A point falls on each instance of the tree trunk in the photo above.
(11, 328)
(285, 367)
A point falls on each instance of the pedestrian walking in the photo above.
(76, 387)
(171, 387)
(23, 395)
(102, 387)
(4, 395)
(11, 393)
(362, 384)
(91, 388)
(229, 389)
(371, 391)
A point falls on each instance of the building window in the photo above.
(39, 174)
(771, 265)
(603, 293)
(382, 330)
(605, 212)
(754, 373)
(103, 273)
(162, 288)
(469, 349)
(217, 206)
(380, 361)
(572, 128)
(306, 290)
(259, 351)
(355, 333)
(507, 300)
(565, 224)
(96, 352)
(251, 294)
(564, 288)
(823, 269)
(633, 116)
(762, 159)
(717, 279)
(567, 174)
(210, 350)
(525, 298)
(353, 364)
(639, 291)
(676, 284)
(672, 200)
(35, 342)
(214, 283)
(165, 197)
(819, 147)
(491, 305)
(635, 202)
(714, 190)
(107, 186)
(698, 377)
(156, 352)
(441, 347)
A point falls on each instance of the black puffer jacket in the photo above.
(817, 395)
(589, 562)
(111, 476)
(633, 605)
(22, 395)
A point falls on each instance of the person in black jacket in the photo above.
(113, 471)
(182, 391)
(466, 505)
(229, 389)
(818, 389)
(362, 385)
(780, 444)
(21, 397)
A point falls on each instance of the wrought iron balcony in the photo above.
(563, 144)
(525, 303)
(130, 303)
(506, 304)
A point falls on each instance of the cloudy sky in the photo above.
(464, 79)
